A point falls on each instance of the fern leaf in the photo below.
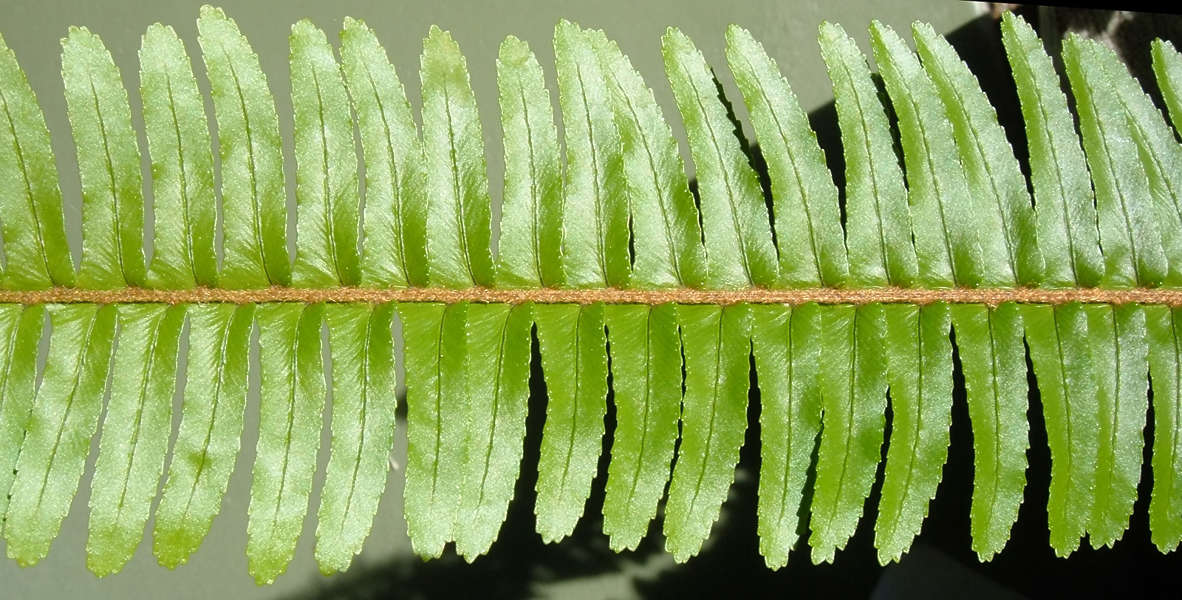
(254, 200)
(207, 442)
(21, 327)
(363, 403)
(853, 403)
(993, 359)
(739, 249)
(1165, 503)
(787, 364)
(135, 433)
(326, 165)
(33, 226)
(808, 222)
(878, 225)
(394, 245)
(531, 227)
(63, 420)
(108, 164)
(717, 347)
(646, 384)
(291, 401)
(573, 349)
(498, 392)
(1167, 67)
(183, 202)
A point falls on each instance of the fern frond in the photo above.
(642, 289)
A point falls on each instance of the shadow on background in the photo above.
(941, 563)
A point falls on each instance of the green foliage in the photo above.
(608, 206)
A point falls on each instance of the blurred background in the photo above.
(940, 564)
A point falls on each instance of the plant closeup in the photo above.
(940, 254)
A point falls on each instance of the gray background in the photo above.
(32, 29)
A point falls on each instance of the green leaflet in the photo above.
(808, 222)
(1119, 361)
(326, 165)
(944, 220)
(646, 381)
(787, 362)
(498, 395)
(363, 404)
(573, 348)
(993, 359)
(108, 164)
(21, 327)
(435, 346)
(665, 233)
(853, 402)
(878, 225)
(717, 347)
(1065, 215)
(291, 402)
(254, 200)
(394, 248)
(64, 416)
(1129, 235)
(183, 201)
(739, 249)
(595, 196)
(1164, 330)
(1060, 353)
(33, 227)
(207, 442)
(531, 226)
(991, 169)
(1167, 66)
(919, 371)
(135, 434)
(457, 186)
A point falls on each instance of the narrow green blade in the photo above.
(853, 401)
(183, 202)
(595, 205)
(878, 225)
(363, 404)
(65, 415)
(136, 429)
(22, 328)
(1164, 329)
(1129, 235)
(531, 214)
(646, 381)
(327, 203)
(787, 349)
(1065, 215)
(919, 371)
(942, 209)
(807, 218)
(254, 199)
(739, 249)
(1120, 363)
(994, 176)
(993, 359)
(435, 346)
(457, 186)
(717, 346)
(108, 164)
(667, 240)
(1167, 67)
(573, 347)
(33, 226)
(291, 404)
(498, 395)
(394, 248)
(1059, 351)
(210, 433)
